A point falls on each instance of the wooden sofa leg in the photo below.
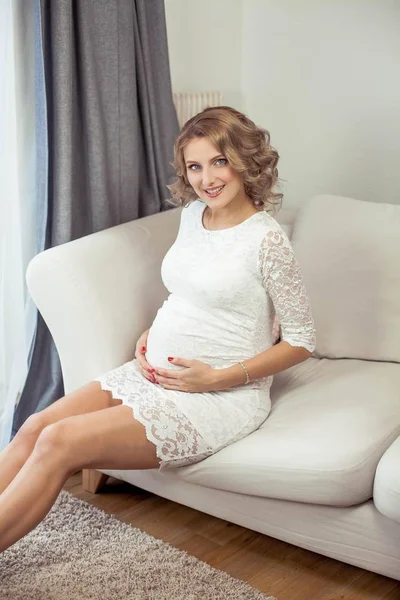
(93, 481)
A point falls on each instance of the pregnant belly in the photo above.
(184, 331)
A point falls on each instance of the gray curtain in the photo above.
(105, 112)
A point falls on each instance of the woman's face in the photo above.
(210, 174)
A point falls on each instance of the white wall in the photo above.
(321, 75)
(204, 41)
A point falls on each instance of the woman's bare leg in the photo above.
(86, 399)
(108, 439)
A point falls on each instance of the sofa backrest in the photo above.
(349, 255)
(286, 218)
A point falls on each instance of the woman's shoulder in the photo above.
(191, 209)
(189, 217)
(193, 206)
(269, 226)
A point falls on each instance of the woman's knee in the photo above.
(52, 449)
(53, 442)
(55, 435)
(31, 428)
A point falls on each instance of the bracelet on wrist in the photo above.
(246, 372)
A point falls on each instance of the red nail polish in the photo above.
(170, 358)
(143, 349)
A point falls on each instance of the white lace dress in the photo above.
(226, 286)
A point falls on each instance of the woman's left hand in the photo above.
(196, 377)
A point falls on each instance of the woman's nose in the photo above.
(208, 178)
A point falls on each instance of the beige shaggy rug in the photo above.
(81, 553)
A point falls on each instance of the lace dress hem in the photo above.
(176, 441)
(299, 343)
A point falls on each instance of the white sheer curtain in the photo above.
(17, 200)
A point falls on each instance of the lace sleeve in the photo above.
(283, 282)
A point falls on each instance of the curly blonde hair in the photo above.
(246, 147)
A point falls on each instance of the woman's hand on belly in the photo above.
(140, 351)
(196, 376)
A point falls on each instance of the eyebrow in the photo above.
(211, 159)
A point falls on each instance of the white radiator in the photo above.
(188, 105)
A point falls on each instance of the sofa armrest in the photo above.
(387, 483)
(97, 294)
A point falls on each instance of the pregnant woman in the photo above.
(202, 373)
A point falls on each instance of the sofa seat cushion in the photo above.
(330, 423)
(349, 254)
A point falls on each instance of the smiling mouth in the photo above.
(214, 192)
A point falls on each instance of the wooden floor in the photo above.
(272, 566)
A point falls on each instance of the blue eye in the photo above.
(221, 162)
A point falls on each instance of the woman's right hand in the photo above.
(141, 347)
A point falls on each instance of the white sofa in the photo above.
(323, 471)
